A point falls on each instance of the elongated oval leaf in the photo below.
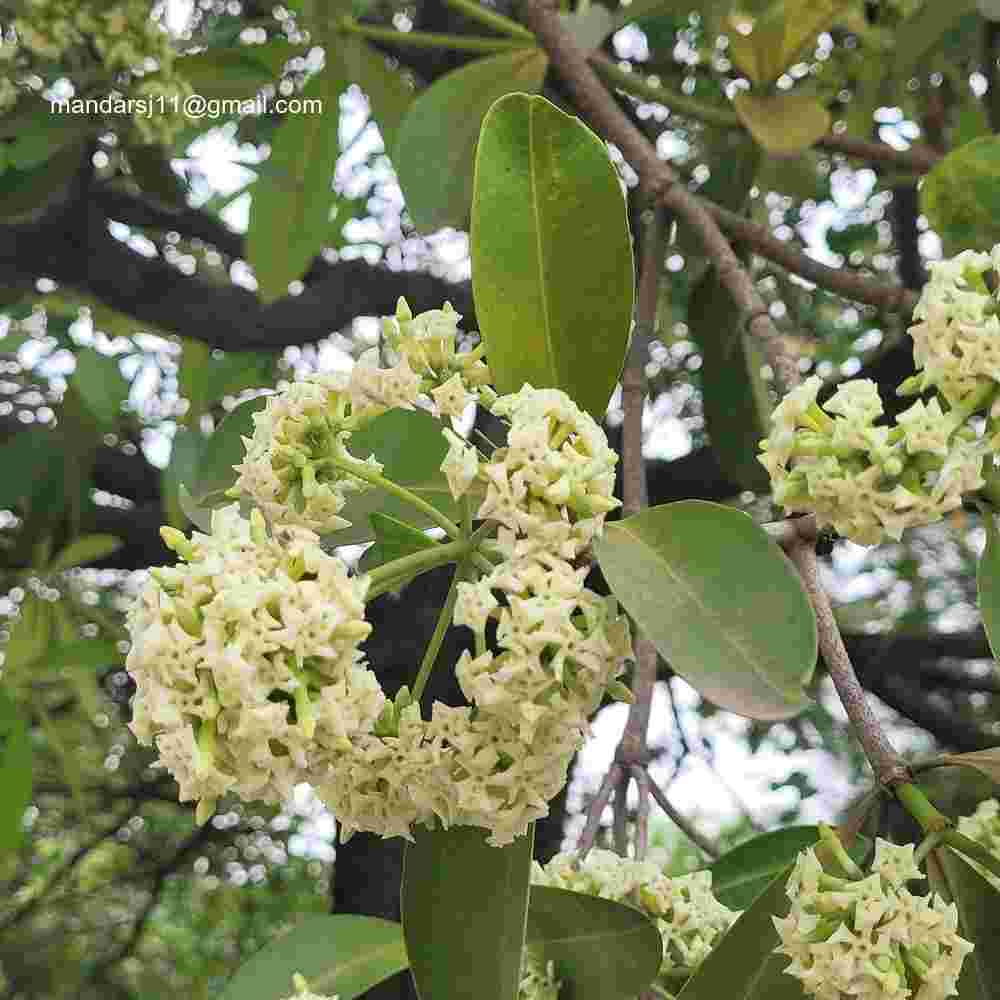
(743, 873)
(551, 255)
(743, 965)
(720, 601)
(602, 950)
(978, 905)
(290, 211)
(922, 31)
(343, 954)
(225, 74)
(985, 761)
(84, 550)
(225, 449)
(988, 584)
(465, 907)
(389, 93)
(393, 540)
(101, 385)
(436, 148)
(15, 774)
(86, 654)
(784, 124)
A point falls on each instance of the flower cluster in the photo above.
(296, 467)
(247, 663)
(125, 37)
(870, 936)
(865, 479)
(246, 660)
(689, 917)
(302, 990)
(870, 480)
(983, 826)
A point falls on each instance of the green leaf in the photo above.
(79, 552)
(15, 774)
(734, 395)
(960, 196)
(590, 27)
(921, 32)
(551, 253)
(292, 202)
(411, 448)
(743, 873)
(225, 449)
(151, 170)
(101, 385)
(988, 584)
(436, 149)
(185, 456)
(784, 124)
(31, 452)
(26, 194)
(225, 74)
(639, 10)
(390, 95)
(465, 907)
(199, 514)
(33, 132)
(602, 950)
(985, 761)
(343, 954)
(86, 654)
(237, 371)
(720, 602)
(29, 635)
(978, 905)
(743, 966)
(393, 540)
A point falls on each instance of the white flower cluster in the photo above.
(689, 917)
(865, 479)
(983, 826)
(870, 937)
(294, 467)
(125, 37)
(303, 992)
(246, 660)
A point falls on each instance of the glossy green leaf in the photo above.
(237, 371)
(79, 552)
(185, 456)
(101, 385)
(225, 449)
(465, 907)
(199, 513)
(985, 761)
(988, 584)
(31, 452)
(719, 600)
(921, 32)
(978, 905)
(734, 395)
(151, 170)
(393, 540)
(225, 74)
(743, 873)
(784, 124)
(602, 950)
(551, 253)
(292, 201)
(639, 10)
(389, 93)
(33, 132)
(743, 966)
(15, 774)
(343, 954)
(411, 448)
(86, 654)
(436, 149)
(26, 194)
(961, 196)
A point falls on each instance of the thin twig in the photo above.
(597, 807)
(889, 767)
(709, 847)
(642, 812)
(620, 822)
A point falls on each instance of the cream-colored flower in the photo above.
(983, 826)
(303, 991)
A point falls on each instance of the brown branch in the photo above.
(919, 158)
(709, 847)
(656, 177)
(889, 768)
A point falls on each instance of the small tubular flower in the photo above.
(983, 826)
(690, 919)
(870, 936)
(246, 660)
(303, 991)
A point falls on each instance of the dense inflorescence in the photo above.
(690, 919)
(983, 826)
(869, 479)
(246, 659)
(870, 936)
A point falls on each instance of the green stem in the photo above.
(434, 646)
(505, 25)
(927, 845)
(434, 40)
(913, 800)
(973, 850)
(364, 471)
(633, 83)
(416, 562)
